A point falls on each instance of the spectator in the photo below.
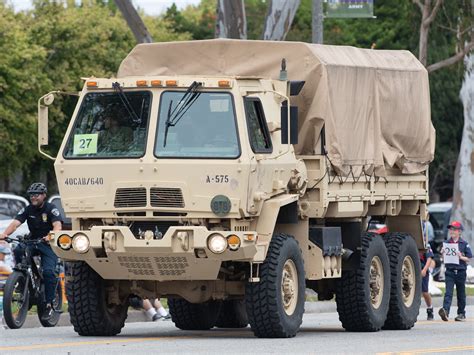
(456, 273)
(4, 265)
(426, 260)
(155, 311)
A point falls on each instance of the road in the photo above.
(320, 333)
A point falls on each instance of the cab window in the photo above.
(259, 135)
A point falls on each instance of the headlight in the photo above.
(80, 243)
(217, 243)
(64, 241)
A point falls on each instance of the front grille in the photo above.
(130, 197)
(166, 197)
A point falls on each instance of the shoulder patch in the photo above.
(55, 212)
(21, 211)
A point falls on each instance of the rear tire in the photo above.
(232, 315)
(193, 316)
(362, 296)
(275, 304)
(87, 299)
(405, 296)
(14, 310)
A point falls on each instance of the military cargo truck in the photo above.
(228, 176)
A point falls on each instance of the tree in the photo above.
(279, 19)
(462, 28)
(231, 19)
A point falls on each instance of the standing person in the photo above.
(456, 274)
(42, 217)
(156, 310)
(426, 260)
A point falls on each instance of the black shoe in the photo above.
(460, 318)
(429, 314)
(48, 312)
(155, 317)
(443, 314)
(167, 317)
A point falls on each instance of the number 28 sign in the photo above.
(451, 253)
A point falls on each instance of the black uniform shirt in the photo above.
(40, 220)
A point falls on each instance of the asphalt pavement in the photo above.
(321, 333)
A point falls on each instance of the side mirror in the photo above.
(292, 130)
(43, 133)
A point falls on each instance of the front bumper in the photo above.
(182, 253)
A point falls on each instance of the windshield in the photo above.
(205, 129)
(107, 128)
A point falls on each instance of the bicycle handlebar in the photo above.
(23, 239)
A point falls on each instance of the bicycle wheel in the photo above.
(57, 306)
(15, 300)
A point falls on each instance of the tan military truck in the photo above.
(228, 176)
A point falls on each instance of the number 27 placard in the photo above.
(451, 253)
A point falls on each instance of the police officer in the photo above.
(456, 274)
(42, 217)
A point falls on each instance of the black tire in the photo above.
(232, 315)
(14, 310)
(357, 311)
(193, 316)
(57, 305)
(264, 301)
(90, 314)
(405, 296)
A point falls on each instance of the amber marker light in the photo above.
(142, 83)
(92, 84)
(65, 241)
(224, 83)
(233, 241)
(250, 237)
(156, 83)
(171, 83)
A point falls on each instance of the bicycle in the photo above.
(24, 288)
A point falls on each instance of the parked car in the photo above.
(10, 205)
(56, 200)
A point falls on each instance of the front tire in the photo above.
(15, 300)
(193, 316)
(87, 298)
(405, 297)
(362, 296)
(275, 304)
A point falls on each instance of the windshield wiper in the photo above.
(188, 99)
(123, 98)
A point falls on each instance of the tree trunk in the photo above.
(134, 21)
(231, 20)
(317, 22)
(463, 202)
(424, 34)
(279, 18)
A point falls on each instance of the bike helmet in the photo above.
(37, 188)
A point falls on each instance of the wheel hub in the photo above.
(376, 282)
(408, 281)
(289, 287)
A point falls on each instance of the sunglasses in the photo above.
(35, 195)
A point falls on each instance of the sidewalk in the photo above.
(310, 307)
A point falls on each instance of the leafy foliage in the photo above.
(52, 46)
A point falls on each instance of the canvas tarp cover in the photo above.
(374, 104)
